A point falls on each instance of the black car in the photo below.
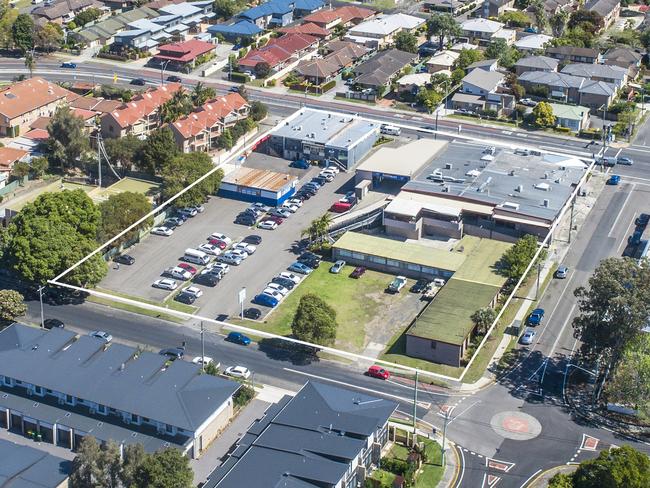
(138, 81)
(253, 239)
(124, 259)
(310, 262)
(185, 298)
(174, 79)
(309, 255)
(252, 313)
(321, 180)
(304, 196)
(420, 286)
(286, 282)
(173, 353)
(207, 279)
(174, 222)
(244, 220)
(53, 324)
(642, 220)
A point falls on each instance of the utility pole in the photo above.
(415, 408)
(573, 204)
(444, 436)
(99, 157)
(40, 298)
(539, 270)
(202, 349)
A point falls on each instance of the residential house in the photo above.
(9, 156)
(99, 106)
(444, 60)
(321, 70)
(325, 436)
(379, 32)
(278, 13)
(552, 7)
(625, 58)
(182, 56)
(484, 64)
(459, 46)
(480, 31)
(308, 28)
(278, 52)
(239, 29)
(494, 8)
(195, 15)
(483, 90)
(573, 117)
(571, 54)
(200, 130)
(508, 35)
(413, 82)
(343, 16)
(380, 70)
(535, 63)
(533, 42)
(116, 393)
(23, 102)
(63, 11)
(568, 88)
(23, 466)
(451, 6)
(140, 116)
(599, 72)
(596, 94)
(609, 10)
(103, 33)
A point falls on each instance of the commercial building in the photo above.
(83, 386)
(324, 437)
(316, 135)
(258, 185)
(26, 467)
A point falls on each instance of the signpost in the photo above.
(241, 297)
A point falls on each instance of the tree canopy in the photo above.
(23, 32)
(183, 170)
(630, 384)
(467, 57)
(124, 151)
(516, 259)
(543, 115)
(164, 469)
(483, 318)
(515, 18)
(12, 305)
(314, 321)
(441, 26)
(622, 467)
(406, 41)
(120, 211)
(258, 111)
(506, 55)
(226, 9)
(158, 152)
(67, 141)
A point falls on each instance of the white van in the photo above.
(197, 257)
(390, 130)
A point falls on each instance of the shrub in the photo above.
(395, 466)
(328, 86)
(564, 130)
(240, 77)
(243, 396)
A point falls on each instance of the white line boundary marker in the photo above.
(187, 316)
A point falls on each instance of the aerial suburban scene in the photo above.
(324, 244)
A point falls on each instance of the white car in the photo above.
(290, 208)
(223, 267)
(273, 293)
(279, 288)
(295, 201)
(261, 207)
(162, 231)
(229, 259)
(244, 246)
(199, 208)
(327, 175)
(210, 249)
(268, 225)
(238, 372)
(194, 291)
(101, 335)
(238, 253)
(165, 284)
(333, 168)
(178, 273)
(291, 276)
(221, 237)
(205, 360)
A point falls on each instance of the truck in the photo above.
(397, 284)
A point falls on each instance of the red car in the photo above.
(274, 218)
(340, 207)
(219, 243)
(358, 272)
(187, 267)
(378, 372)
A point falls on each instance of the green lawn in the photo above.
(135, 185)
(430, 473)
(356, 303)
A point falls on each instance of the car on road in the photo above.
(300, 164)
(252, 313)
(625, 161)
(285, 282)
(187, 267)
(101, 335)
(205, 360)
(185, 298)
(614, 180)
(536, 316)
(238, 372)
(174, 79)
(562, 272)
(210, 249)
(298, 267)
(337, 266)
(397, 284)
(165, 284)
(229, 259)
(245, 247)
(193, 290)
(124, 259)
(173, 353)
(207, 279)
(268, 225)
(420, 286)
(378, 372)
(265, 300)
(138, 82)
(69, 65)
(162, 231)
(273, 293)
(279, 288)
(177, 273)
(527, 337)
(53, 324)
(295, 278)
(642, 220)
(358, 272)
(221, 237)
(238, 338)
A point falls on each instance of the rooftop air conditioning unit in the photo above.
(510, 205)
(546, 202)
(448, 166)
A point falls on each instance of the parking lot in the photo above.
(156, 253)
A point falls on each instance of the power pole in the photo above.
(202, 349)
(573, 204)
(444, 436)
(415, 408)
(40, 298)
(99, 158)
(539, 270)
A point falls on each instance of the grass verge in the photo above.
(430, 473)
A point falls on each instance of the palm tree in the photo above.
(30, 63)
(176, 107)
(202, 93)
(318, 227)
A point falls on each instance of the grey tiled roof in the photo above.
(587, 70)
(380, 68)
(552, 79)
(486, 80)
(26, 467)
(540, 62)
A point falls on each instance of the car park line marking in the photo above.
(531, 477)
(620, 212)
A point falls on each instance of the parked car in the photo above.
(358, 272)
(188, 212)
(187, 267)
(261, 207)
(194, 291)
(536, 316)
(253, 239)
(265, 300)
(216, 272)
(298, 267)
(252, 313)
(561, 272)
(528, 102)
(162, 231)
(174, 79)
(642, 220)
(420, 286)
(528, 336)
(229, 259)
(295, 201)
(124, 259)
(273, 293)
(173, 353)
(281, 212)
(173, 222)
(177, 273)
(291, 208)
(625, 161)
(138, 82)
(274, 218)
(53, 324)
(205, 360)
(268, 225)
(340, 207)
(245, 219)
(635, 238)
(222, 267)
(295, 278)
(337, 266)
(165, 284)
(101, 335)
(614, 180)
(221, 237)
(300, 164)
(69, 65)
(238, 338)
(210, 249)
(378, 372)
(207, 279)
(397, 284)
(185, 298)
(245, 247)
(285, 282)
(239, 253)
(279, 288)
(238, 372)
(219, 243)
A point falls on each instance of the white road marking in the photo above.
(619, 152)
(557, 339)
(531, 477)
(620, 212)
(461, 413)
(462, 471)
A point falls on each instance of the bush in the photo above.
(243, 396)
(590, 134)
(395, 466)
(328, 86)
(240, 77)
(564, 130)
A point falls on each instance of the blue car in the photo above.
(265, 300)
(300, 164)
(69, 65)
(614, 180)
(238, 338)
(300, 268)
(536, 316)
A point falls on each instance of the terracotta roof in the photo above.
(28, 95)
(354, 13)
(184, 52)
(105, 106)
(9, 156)
(278, 50)
(37, 135)
(40, 123)
(323, 16)
(83, 113)
(97, 105)
(142, 105)
(309, 28)
(209, 114)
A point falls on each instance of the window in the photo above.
(393, 263)
(413, 267)
(377, 259)
(434, 344)
(359, 256)
(102, 409)
(169, 428)
(344, 253)
(7, 381)
(38, 390)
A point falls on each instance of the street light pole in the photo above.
(444, 436)
(163, 66)
(202, 349)
(415, 408)
(40, 299)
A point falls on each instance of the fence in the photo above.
(368, 97)
(12, 186)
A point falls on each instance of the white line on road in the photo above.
(461, 413)
(462, 470)
(566, 321)
(619, 152)
(531, 477)
(620, 212)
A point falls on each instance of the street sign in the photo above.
(241, 296)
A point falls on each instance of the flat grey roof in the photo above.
(324, 128)
(26, 467)
(114, 375)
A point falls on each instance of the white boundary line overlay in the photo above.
(187, 316)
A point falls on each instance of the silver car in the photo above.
(562, 272)
(528, 336)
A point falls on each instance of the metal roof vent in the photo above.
(546, 202)
(520, 188)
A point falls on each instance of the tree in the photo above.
(110, 465)
(314, 321)
(622, 467)
(243, 92)
(123, 151)
(467, 57)
(134, 455)
(318, 227)
(258, 111)
(30, 63)
(515, 18)
(225, 140)
(561, 480)
(428, 98)
(589, 20)
(262, 69)
(158, 152)
(645, 39)
(164, 469)
(21, 169)
(558, 22)
(8, 16)
(537, 8)
(457, 76)
(12, 305)
(518, 91)
(86, 471)
(443, 25)
(483, 318)
(39, 166)
(184, 170)
(86, 16)
(179, 105)
(226, 9)
(67, 140)
(506, 55)
(201, 94)
(516, 259)
(630, 384)
(405, 41)
(121, 210)
(613, 308)
(543, 115)
(23, 32)
(48, 37)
